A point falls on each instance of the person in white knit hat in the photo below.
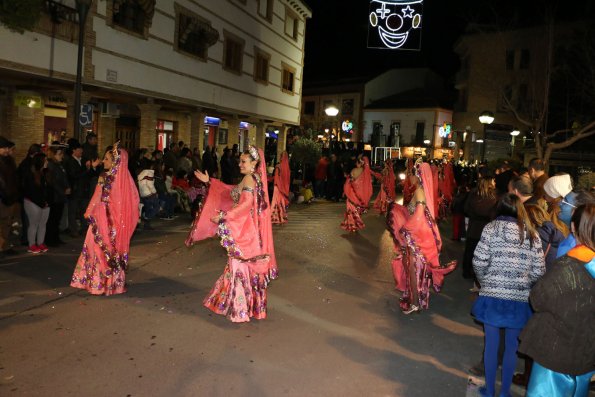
(558, 189)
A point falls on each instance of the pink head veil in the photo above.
(366, 182)
(424, 173)
(263, 215)
(284, 174)
(122, 198)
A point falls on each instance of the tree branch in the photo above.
(577, 137)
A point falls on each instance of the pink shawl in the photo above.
(245, 229)
(389, 180)
(359, 190)
(119, 215)
(282, 176)
(419, 233)
(434, 190)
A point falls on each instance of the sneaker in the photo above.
(42, 248)
(34, 249)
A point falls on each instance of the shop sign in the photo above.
(212, 120)
(444, 131)
(347, 126)
(31, 101)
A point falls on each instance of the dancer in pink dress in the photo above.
(358, 190)
(281, 192)
(386, 195)
(416, 267)
(240, 215)
(113, 215)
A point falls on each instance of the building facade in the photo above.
(347, 97)
(207, 72)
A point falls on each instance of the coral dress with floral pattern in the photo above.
(245, 231)
(113, 215)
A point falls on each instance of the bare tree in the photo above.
(575, 65)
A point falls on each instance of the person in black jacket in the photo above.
(9, 194)
(480, 208)
(35, 201)
(79, 177)
(58, 180)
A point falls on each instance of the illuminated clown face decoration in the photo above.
(395, 24)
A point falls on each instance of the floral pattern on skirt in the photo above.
(236, 296)
(93, 274)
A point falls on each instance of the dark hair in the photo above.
(34, 149)
(522, 184)
(510, 205)
(536, 164)
(38, 161)
(583, 220)
(185, 152)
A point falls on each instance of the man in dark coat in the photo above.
(9, 194)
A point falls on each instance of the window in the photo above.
(291, 25)
(310, 107)
(347, 107)
(509, 59)
(525, 59)
(392, 139)
(261, 66)
(130, 15)
(287, 85)
(194, 35)
(265, 9)
(233, 53)
(420, 127)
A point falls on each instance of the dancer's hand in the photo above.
(203, 177)
(215, 219)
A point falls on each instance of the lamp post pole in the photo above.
(82, 8)
(486, 117)
(332, 111)
(514, 134)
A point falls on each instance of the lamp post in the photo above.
(332, 111)
(82, 9)
(486, 117)
(514, 134)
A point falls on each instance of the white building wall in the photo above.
(407, 118)
(35, 50)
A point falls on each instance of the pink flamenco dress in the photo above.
(358, 192)
(417, 247)
(245, 231)
(113, 215)
(280, 201)
(386, 195)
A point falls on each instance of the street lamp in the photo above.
(332, 111)
(514, 134)
(82, 9)
(486, 117)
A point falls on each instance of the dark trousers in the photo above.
(168, 203)
(458, 226)
(470, 245)
(52, 234)
(76, 210)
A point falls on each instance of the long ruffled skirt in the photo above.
(382, 201)
(352, 221)
(93, 273)
(278, 208)
(237, 295)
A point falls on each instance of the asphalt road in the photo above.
(334, 327)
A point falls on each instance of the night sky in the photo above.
(336, 41)
(336, 35)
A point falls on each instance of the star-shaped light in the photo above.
(407, 12)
